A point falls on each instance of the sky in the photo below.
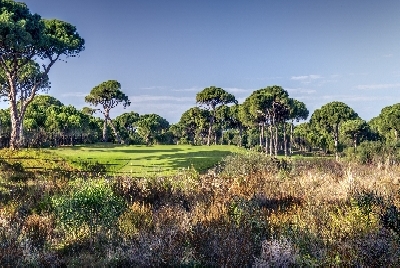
(164, 52)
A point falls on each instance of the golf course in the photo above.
(141, 160)
(199, 134)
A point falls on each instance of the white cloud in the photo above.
(170, 110)
(192, 89)
(238, 90)
(377, 86)
(154, 87)
(344, 98)
(396, 74)
(306, 77)
(264, 78)
(75, 94)
(229, 89)
(299, 77)
(150, 98)
(354, 74)
(387, 55)
(301, 90)
(356, 98)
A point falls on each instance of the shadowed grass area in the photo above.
(145, 160)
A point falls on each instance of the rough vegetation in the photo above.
(261, 212)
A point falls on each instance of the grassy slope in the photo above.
(142, 159)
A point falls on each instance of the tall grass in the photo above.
(250, 211)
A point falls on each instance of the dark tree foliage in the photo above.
(107, 95)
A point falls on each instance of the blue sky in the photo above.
(164, 52)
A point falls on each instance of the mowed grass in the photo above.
(146, 160)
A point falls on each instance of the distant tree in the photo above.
(302, 132)
(26, 37)
(354, 130)
(267, 107)
(66, 119)
(126, 126)
(212, 97)
(150, 126)
(177, 132)
(29, 73)
(108, 94)
(229, 122)
(193, 123)
(88, 110)
(387, 123)
(37, 110)
(330, 116)
(222, 122)
(5, 121)
(235, 122)
(297, 111)
(252, 114)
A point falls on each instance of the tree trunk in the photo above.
(271, 140)
(26, 96)
(114, 130)
(336, 149)
(21, 134)
(336, 138)
(15, 120)
(291, 139)
(284, 139)
(240, 135)
(105, 130)
(192, 138)
(355, 144)
(276, 141)
(210, 130)
(15, 130)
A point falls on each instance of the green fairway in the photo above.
(145, 160)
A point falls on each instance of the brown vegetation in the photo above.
(257, 212)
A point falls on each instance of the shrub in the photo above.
(374, 152)
(253, 162)
(92, 203)
(135, 218)
(277, 253)
(37, 229)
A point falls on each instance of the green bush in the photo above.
(374, 152)
(252, 162)
(92, 203)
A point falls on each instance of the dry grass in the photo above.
(260, 213)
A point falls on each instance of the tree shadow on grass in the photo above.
(201, 160)
(147, 151)
(130, 151)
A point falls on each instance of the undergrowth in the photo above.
(252, 210)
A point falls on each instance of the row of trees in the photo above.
(265, 119)
(48, 116)
(269, 112)
(336, 125)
